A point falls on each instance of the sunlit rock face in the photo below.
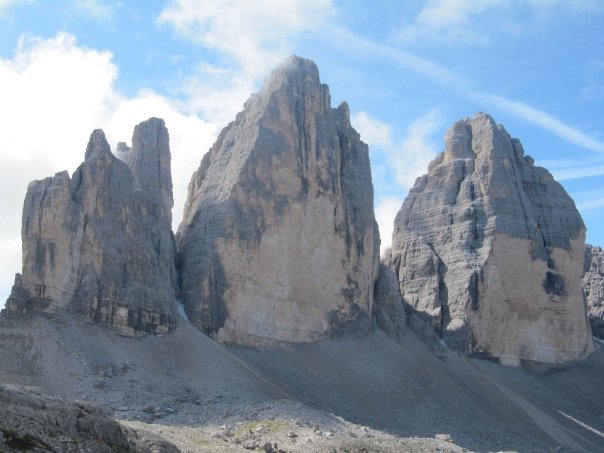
(489, 248)
(100, 243)
(278, 239)
(593, 286)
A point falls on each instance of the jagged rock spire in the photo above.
(489, 248)
(100, 243)
(278, 239)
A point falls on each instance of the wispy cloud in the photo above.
(253, 34)
(568, 169)
(408, 157)
(349, 41)
(589, 200)
(403, 160)
(5, 4)
(590, 205)
(385, 212)
(373, 131)
(464, 88)
(594, 89)
(248, 37)
(578, 172)
(99, 9)
(470, 21)
(447, 19)
(543, 119)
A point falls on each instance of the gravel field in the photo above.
(355, 395)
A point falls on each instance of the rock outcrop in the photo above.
(489, 248)
(31, 421)
(279, 240)
(100, 243)
(388, 309)
(593, 286)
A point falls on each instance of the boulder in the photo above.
(279, 239)
(489, 248)
(33, 421)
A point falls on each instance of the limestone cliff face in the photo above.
(593, 286)
(100, 243)
(279, 239)
(490, 249)
(388, 309)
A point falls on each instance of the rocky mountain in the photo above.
(279, 247)
(593, 286)
(100, 243)
(278, 239)
(489, 248)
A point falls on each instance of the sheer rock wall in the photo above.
(489, 248)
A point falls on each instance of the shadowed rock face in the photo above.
(100, 243)
(593, 286)
(278, 239)
(30, 421)
(490, 249)
(388, 309)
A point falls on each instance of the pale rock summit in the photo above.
(278, 239)
(100, 243)
(489, 248)
(593, 286)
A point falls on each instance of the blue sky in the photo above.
(408, 70)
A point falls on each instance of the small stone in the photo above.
(152, 410)
(250, 444)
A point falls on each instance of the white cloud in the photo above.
(98, 9)
(589, 200)
(249, 37)
(447, 19)
(462, 87)
(385, 212)
(405, 160)
(373, 131)
(545, 120)
(54, 93)
(567, 169)
(5, 4)
(466, 21)
(408, 158)
(577, 172)
(590, 205)
(417, 149)
(253, 34)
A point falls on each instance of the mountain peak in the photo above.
(97, 145)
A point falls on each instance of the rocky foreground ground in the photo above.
(188, 392)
